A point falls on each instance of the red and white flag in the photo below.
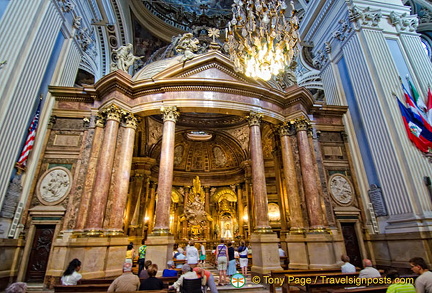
(429, 107)
(28, 146)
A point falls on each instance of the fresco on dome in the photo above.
(213, 6)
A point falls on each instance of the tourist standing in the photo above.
(222, 261)
(243, 253)
(141, 256)
(231, 260)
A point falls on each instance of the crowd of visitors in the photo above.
(196, 278)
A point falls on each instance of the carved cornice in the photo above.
(254, 118)
(404, 21)
(170, 113)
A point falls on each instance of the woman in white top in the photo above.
(71, 275)
(192, 254)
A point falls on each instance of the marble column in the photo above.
(246, 165)
(289, 167)
(122, 176)
(145, 204)
(166, 171)
(282, 193)
(150, 208)
(101, 185)
(310, 183)
(258, 175)
(207, 199)
(185, 203)
(240, 208)
(263, 240)
(91, 172)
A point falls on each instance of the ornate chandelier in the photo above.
(259, 39)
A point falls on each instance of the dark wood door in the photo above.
(351, 243)
(39, 254)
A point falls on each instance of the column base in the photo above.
(265, 253)
(114, 232)
(159, 249)
(314, 250)
(94, 232)
(161, 232)
(101, 257)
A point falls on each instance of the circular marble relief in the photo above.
(54, 185)
(341, 189)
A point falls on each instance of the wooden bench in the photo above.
(96, 281)
(82, 288)
(280, 275)
(319, 281)
(377, 289)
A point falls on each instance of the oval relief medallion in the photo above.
(341, 189)
(54, 185)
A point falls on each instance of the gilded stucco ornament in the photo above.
(254, 118)
(170, 113)
(130, 120)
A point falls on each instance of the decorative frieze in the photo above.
(404, 21)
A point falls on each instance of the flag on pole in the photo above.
(416, 130)
(418, 100)
(418, 114)
(28, 146)
(429, 107)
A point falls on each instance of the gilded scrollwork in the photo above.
(170, 113)
(254, 118)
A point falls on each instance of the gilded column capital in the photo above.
(254, 118)
(286, 128)
(170, 113)
(130, 120)
(301, 124)
(113, 112)
(100, 121)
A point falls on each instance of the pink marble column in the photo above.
(310, 183)
(258, 175)
(150, 208)
(240, 211)
(91, 172)
(289, 167)
(122, 176)
(166, 171)
(101, 185)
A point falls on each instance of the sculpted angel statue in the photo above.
(125, 58)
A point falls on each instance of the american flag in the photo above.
(22, 161)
